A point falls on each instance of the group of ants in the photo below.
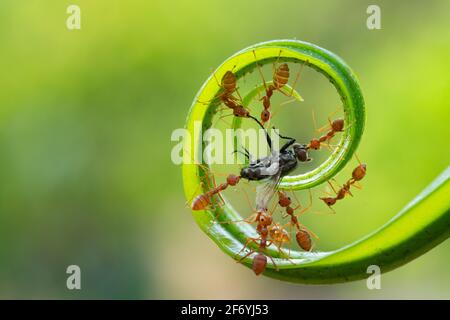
(269, 232)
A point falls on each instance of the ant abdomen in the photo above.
(200, 202)
(359, 172)
(229, 81)
(281, 76)
(304, 240)
(259, 263)
(337, 125)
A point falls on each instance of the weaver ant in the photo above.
(203, 200)
(357, 175)
(336, 126)
(268, 235)
(280, 78)
(302, 235)
(229, 86)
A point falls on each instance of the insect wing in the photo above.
(265, 192)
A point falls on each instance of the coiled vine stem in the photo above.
(415, 230)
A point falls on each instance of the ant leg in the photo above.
(251, 219)
(221, 118)
(188, 202)
(332, 114)
(247, 198)
(346, 191)
(239, 95)
(331, 208)
(357, 185)
(321, 129)
(295, 197)
(328, 145)
(275, 63)
(260, 71)
(216, 217)
(273, 209)
(290, 236)
(296, 79)
(280, 106)
(248, 254)
(278, 59)
(310, 232)
(271, 258)
(357, 158)
(249, 240)
(215, 77)
(287, 256)
(304, 210)
(332, 187)
(211, 100)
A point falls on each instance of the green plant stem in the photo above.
(420, 226)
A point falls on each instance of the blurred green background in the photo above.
(85, 123)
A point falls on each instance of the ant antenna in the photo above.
(246, 154)
(259, 69)
(282, 137)
(269, 140)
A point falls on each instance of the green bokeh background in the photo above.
(86, 118)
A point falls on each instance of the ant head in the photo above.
(265, 219)
(284, 200)
(240, 111)
(265, 115)
(314, 144)
(329, 201)
(338, 125)
(232, 179)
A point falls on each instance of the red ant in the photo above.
(335, 127)
(229, 86)
(302, 235)
(268, 234)
(259, 263)
(280, 79)
(204, 200)
(279, 235)
(357, 175)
